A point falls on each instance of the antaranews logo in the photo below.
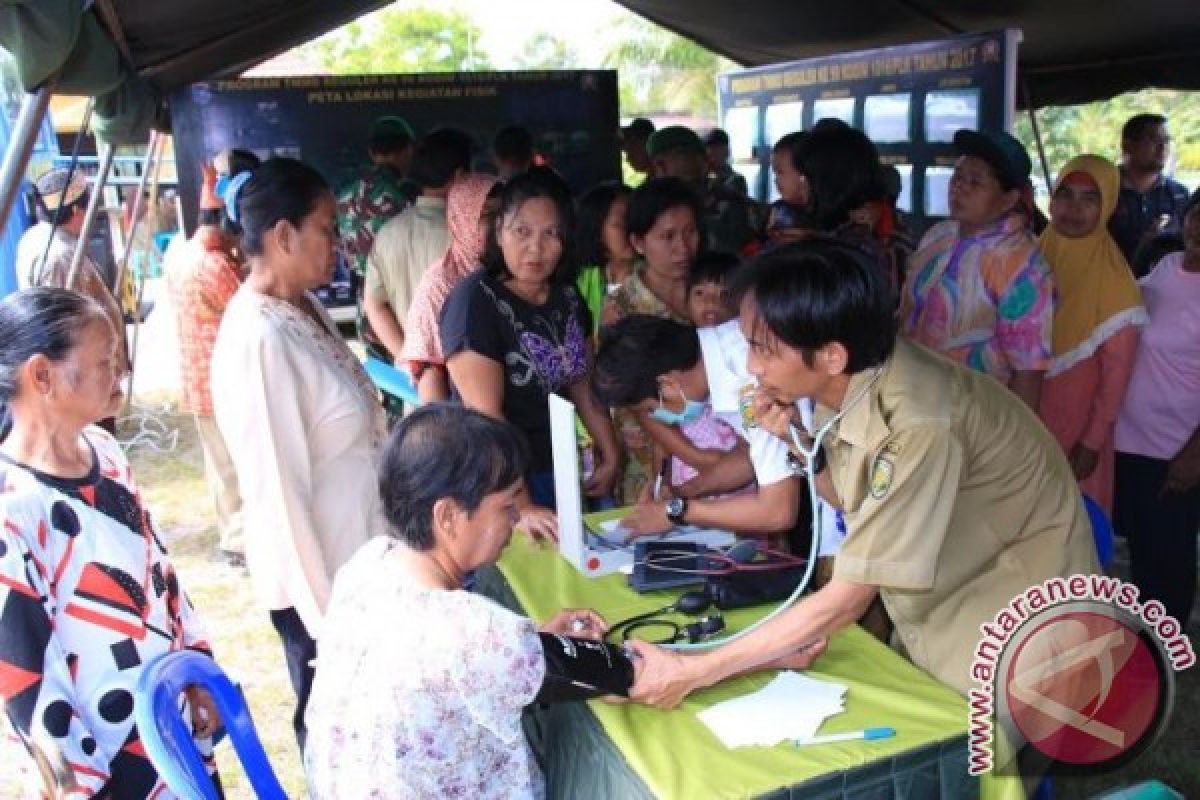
(1078, 668)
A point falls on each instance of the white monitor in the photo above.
(594, 554)
(568, 497)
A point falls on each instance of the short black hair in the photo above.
(823, 290)
(1151, 251)
(513, 143)
(635, 351)
(638, 128)
(716, 137)
(388, 139)
(242, 160)
(654, 198)
(789, 141)
(830, 124)
(713, 267)
(445, 451)
(589, 221)
(1192, 202)
(842, 167)
(790, 144)
(531, 184)
(282, 188)
(1139, 125)
(442, 153)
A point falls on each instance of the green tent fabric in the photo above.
(1073, 51)
(127, 113)
(170, 44)
(55, 36)
(55, 39)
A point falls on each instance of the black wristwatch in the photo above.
(676, 508)
(797, 466)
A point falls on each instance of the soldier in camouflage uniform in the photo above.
(380, 193)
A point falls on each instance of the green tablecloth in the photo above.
(673, 754)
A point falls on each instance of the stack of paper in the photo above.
(792, 706)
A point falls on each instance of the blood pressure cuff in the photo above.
(579, 669)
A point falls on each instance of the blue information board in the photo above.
(909, 99)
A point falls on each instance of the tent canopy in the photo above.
(128, 52)
(1074, 51)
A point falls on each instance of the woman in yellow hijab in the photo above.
(1096, 321)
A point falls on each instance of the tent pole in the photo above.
(147, 164)
(151, 163)
(1037, 132)
(106, 159)
(25, 133)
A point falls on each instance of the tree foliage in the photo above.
(546, 51)
(402, 39)
(661, 71)
(1068, 131)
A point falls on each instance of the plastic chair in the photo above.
(167, 740)
(395, 382)
(1102, 530)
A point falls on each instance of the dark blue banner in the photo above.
(909, 99)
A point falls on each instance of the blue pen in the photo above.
(867, 734)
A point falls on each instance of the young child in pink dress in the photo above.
(708, 306)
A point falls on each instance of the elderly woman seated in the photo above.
(420, 685)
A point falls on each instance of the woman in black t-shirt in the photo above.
(517, 330)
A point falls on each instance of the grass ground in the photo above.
(243, 640)
(247, 647)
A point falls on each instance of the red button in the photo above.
(593, 563)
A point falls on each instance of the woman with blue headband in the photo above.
(302, 418)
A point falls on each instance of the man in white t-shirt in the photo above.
(669, 370)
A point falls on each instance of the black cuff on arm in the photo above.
(579, 669)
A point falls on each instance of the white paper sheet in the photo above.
(792, 706)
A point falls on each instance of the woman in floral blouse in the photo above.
(433, 708)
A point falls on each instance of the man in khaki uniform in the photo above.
(412, 240)
(956, 499)
(45, 252)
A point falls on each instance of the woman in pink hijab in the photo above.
(467, 219)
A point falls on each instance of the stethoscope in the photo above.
(690, 603)
(810, 459)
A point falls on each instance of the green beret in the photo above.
(391, 126)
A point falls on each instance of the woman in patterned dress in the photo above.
(517, 330)
(664, 224)
(978, 290)
(88, 595)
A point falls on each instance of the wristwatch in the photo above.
(676, 508)
(798, 467)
